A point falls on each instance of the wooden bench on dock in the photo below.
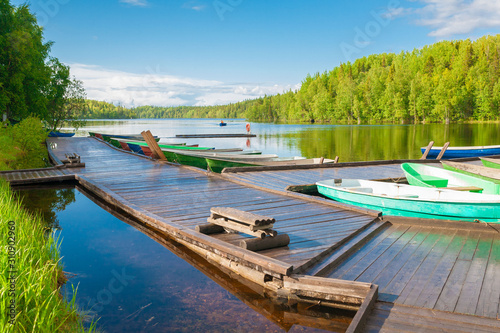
(73, 161)
(226, 219)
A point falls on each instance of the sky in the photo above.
(210, 52)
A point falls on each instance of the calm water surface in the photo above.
(133, 283)
(349, 142)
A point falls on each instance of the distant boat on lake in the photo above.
(56, 134)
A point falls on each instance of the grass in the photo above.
(22, 146)
(30, 299)
(32, 255)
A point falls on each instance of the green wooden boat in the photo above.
(429, 176)
(413, 201)
(491, 162)
(217, 164)
(479, 171)
(201, 159)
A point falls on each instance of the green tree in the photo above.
(24, 73)
(66, 98)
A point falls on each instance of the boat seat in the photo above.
(464, 188)
(360, 189)
(433, 180)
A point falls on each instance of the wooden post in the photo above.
(336, 160)
(153, 145)
(257, 244)
(209, 228)
(443, 150)
(427, 150)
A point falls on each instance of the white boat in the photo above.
(413, 201)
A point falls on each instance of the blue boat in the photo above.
(458, 152)
(222, 123)
(55, 134)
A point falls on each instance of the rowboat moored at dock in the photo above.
(413, 201)
(466, 151)
(429, 176)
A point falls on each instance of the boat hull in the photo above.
(53, 134)
(429, 176)
(491, 163)
(479, 171)
(217, 166)
(459, 152)
(404, 205)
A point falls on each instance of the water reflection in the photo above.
(48, 203)
(134, 284)
(349, 142)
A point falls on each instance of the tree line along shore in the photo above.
(444, 82)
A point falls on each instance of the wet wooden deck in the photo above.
(184, 197)
(453, 269)
(36, 176)
(447, 273)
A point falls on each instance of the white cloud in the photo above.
(454, 17)
(194, 5)
(140, 3)
(131, 89)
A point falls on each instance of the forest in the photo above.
(444, 82)
(32, 82)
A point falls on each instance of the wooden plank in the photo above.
(451, 291)
(469, 297)
(329, 290)
(350, 262)
(435, 285)
(417, 283)
(443, 150)
(442, 316)
(422, 320)
(242, 228)
(427, 150)
(400, 280)
(343, 249)
(359, 320)
(488, 304)
(256, 244)
(153, 145)
(370, 258)
(394, 266)
(382, 262)
(463, 188)
(241, 216)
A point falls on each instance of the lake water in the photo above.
(131, 279)
(349, 142)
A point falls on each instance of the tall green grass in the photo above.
(39, 306)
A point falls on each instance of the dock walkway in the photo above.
(448, 272)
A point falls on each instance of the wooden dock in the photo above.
(338, 255)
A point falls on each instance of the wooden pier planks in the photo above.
(386, 317)
(185, 197)
(446, 269)
(33, 176)
(415, 263)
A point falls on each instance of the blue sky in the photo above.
(205, 52)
